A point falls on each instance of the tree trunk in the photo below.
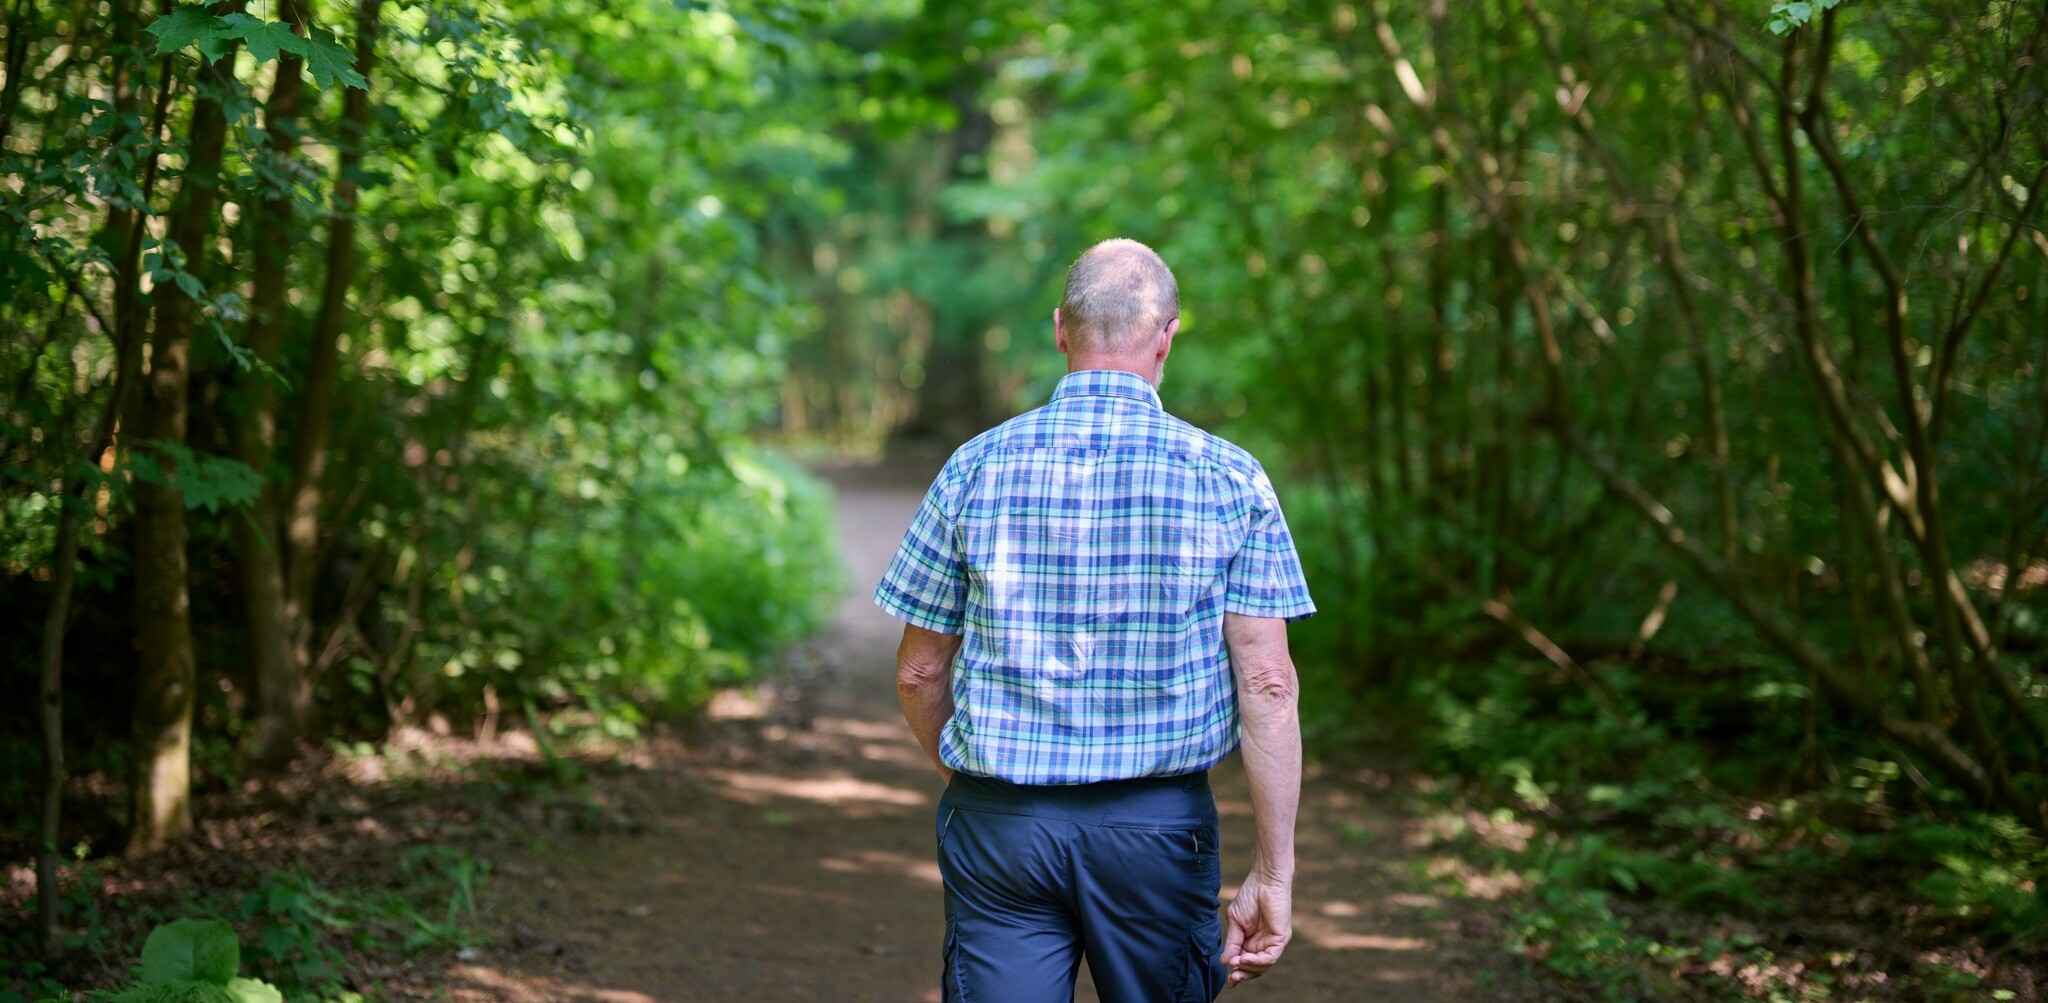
(281, 684)
(18, 34)
(309, 458)
(161, 811)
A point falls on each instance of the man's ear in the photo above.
(1166, 337)
(1059, 332)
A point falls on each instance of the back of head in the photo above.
(1117, 292)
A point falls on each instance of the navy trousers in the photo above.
(1124, 872)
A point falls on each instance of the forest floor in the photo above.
(785, 852)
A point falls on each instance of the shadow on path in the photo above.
(786, 853)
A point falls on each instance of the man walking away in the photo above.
(1095, 597)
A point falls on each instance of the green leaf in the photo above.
(268, 38)
(329, 62)
(188, 24)
(278, 942)
(205, 481)
(253, 991)
(214, 47)
(191, 950)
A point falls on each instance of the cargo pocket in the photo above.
(952, 982)
(1202, 975)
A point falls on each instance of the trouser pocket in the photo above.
(1202, 978)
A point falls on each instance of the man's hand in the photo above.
(1261, 921)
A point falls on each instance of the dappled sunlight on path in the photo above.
(786, 853)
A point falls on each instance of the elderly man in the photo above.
(1095, 597)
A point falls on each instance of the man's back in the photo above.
(1096, 543)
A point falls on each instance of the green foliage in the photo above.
(193, 961)
(298, 921)
(304, 926)
(1990, 871)
(1789, 17)
(212, 483)
(568, 318)
(1460, 274)
(191, 25)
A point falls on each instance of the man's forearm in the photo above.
(927, 707)
(1267, 693)
(1272, 763)
(924, 686)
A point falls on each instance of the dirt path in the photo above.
(786, 854)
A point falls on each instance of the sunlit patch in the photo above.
(756, 788)
(810, 894)
(885, 862)
(1328, 935)
(736, 705)
(896, 754)
(872, 731)
(498, 986)
(1338, 909)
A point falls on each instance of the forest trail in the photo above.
(786, 853)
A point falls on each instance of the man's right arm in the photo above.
(1261, 916)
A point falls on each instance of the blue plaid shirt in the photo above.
(1088, 551)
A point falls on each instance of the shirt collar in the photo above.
(1107, 383)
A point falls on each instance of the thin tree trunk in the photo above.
(281, 684)
(50, 693)
(18, 34)
(309, 458)
(64, 573)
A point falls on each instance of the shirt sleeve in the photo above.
(1265, 578)
(926, 584)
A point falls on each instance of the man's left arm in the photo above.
(924, 685)
(926, 587)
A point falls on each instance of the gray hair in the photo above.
(1117, 291)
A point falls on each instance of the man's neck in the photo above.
(1144, 369)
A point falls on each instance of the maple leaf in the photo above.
(329, 62)
(268, 38)
(187, 24)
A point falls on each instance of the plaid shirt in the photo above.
(1088, 551)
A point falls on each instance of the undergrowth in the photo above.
(301, 935)
(1642, 849)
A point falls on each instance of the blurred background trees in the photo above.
(1658, 390)
(1699, 344)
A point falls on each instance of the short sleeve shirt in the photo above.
(1087, 552)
